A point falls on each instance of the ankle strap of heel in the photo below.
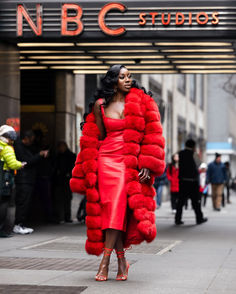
(108, 251)
(120, 254)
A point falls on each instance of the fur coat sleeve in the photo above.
(152, 152)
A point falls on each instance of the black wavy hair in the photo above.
(106, 90)
(173, 163)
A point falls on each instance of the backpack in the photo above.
(6, 181)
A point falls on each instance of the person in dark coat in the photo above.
(64, 163)
(188, 183)
(25, 180)
(216, 176)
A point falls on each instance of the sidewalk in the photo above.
(188, 259)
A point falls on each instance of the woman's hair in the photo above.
(173, 163)
(106, 90)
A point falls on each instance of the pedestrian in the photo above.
(158, 185)
(63, 165)
(203, 187)
(81, 212)
(173, 177)
(228, 181)
(122, 148)
(216, 176)
(188, 183)
(8, 164)
(25, 180)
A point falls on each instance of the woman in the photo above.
(8, 164)
(122, 149)
(203, 187)
(173, 177)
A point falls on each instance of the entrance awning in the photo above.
(149, 37)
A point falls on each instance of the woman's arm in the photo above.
(99, 120)
(9, 158)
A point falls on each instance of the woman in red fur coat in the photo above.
(122, 150)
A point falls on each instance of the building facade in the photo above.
(183, 104)
(221, 118)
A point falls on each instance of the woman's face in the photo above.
(176, 157)
(124, 81)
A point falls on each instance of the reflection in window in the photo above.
(201, 98)
(192, 82)
(181, 83)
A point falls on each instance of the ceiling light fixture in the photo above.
(130, 56)
(120, 61)
(45, 44)
(150, 66)
(210, 44)
(198, 50)
(154, 61)
(115, 44)
(49, 51)
(203, 56)
(84, 72)
(208, 71)
(205, 66)
(203, 61)
(60, 57)
(28, 62)
(123, 51)
(71, 62)
(33, 67)
(80, 67)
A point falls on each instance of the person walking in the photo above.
(188, 183)
(216, 176)
(203, 187)
(122, 150)
(8, 164)
(158, 185)
(173, 176)
(25, 180)
(228, 181)
(64, 163)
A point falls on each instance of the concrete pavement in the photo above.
(188, 259)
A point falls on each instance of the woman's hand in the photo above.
(144, 175)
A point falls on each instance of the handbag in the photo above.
(6, 181)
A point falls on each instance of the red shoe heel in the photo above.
(99, 277)
(122, 277)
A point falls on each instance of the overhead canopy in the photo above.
(149, 37)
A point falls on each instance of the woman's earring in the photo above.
(115, 90)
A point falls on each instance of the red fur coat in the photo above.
(143, 148)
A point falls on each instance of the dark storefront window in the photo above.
(181, 83)
(192, 82)
(37, 87)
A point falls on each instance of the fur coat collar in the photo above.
(143, 148)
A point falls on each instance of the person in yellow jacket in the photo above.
(8, 164)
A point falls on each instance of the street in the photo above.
(188, 259)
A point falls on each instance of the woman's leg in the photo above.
(122, 264)
(110, 242)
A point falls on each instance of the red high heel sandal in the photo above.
(102, 278)
(122, 277)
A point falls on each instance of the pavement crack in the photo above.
(219, 269)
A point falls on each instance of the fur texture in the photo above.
(143, 148)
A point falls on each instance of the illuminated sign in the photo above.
(73, 14)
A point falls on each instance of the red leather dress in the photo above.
(111, 175)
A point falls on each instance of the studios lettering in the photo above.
(144, 19)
